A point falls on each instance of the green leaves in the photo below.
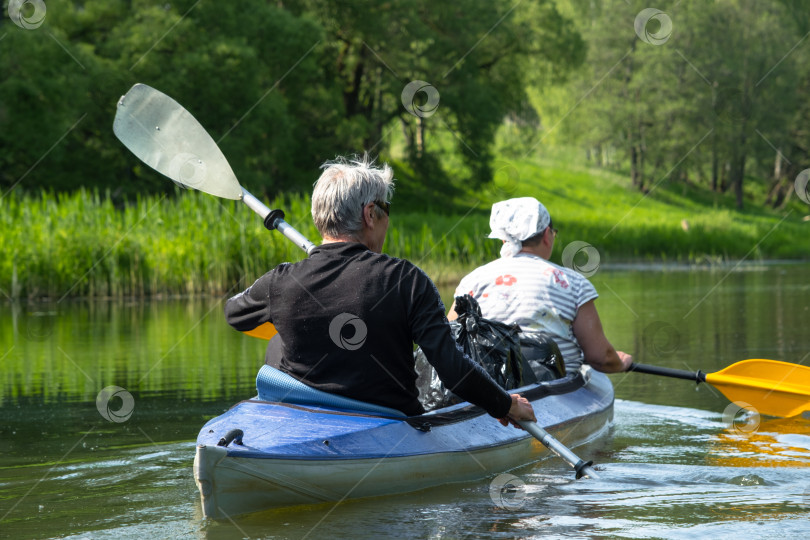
(281, 86)
(709, 99)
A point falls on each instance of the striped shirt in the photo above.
(538, 295)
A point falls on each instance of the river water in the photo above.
(678, 461)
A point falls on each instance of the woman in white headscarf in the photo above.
(523, 287)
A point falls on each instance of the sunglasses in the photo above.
(385, 206)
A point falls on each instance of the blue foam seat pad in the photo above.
(275, 385)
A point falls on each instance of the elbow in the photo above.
(231, 311)
(241, 316)
(609, 362)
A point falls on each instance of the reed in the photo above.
(82, 245)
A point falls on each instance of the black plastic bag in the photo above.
(493, 344)
(542, 355)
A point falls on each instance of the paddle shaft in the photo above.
(771, 387)
(274, 219)
(697, 376)
(582, 468)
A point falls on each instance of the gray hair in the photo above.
(344, 188)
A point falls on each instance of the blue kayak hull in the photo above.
(292, 454)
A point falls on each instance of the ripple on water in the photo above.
(642, 501)
(681, 473)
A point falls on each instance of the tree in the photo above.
(62, 81)
(51, 113)
(475, 56)
(253, 81)
(714, 93)
(281, 86)
(793, 155)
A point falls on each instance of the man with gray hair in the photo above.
(348, 315)
(525, 288)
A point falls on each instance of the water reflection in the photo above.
(70, 352)
(774, 442)
(671, 467)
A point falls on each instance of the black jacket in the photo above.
(348, 318)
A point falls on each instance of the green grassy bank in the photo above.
(80, 244)
(673, 221)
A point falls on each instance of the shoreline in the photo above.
(79, 245)
(441, 278)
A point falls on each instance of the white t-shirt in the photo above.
(534, 293)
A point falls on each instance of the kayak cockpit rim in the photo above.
(454, 413)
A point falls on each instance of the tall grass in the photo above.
(80, 244)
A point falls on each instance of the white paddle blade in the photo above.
(162, 134)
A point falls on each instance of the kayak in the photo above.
(286, 447)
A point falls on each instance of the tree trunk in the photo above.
(420, 137)
(739, 166)
(351, 97)
(407, 131)
(777, 165)
(777, 194)
(739, 172)
(782, 186)
(774, 191)
(635, 175)
(715, 163)
(375, 114)
(641, 155)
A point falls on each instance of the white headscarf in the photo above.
(515, 220)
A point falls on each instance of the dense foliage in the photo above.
(281, 86)
(703, 93)
(79, 244)
(685, 113)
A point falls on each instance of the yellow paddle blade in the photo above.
(771, 387)
(263, 331)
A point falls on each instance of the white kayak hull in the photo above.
(363, 456)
